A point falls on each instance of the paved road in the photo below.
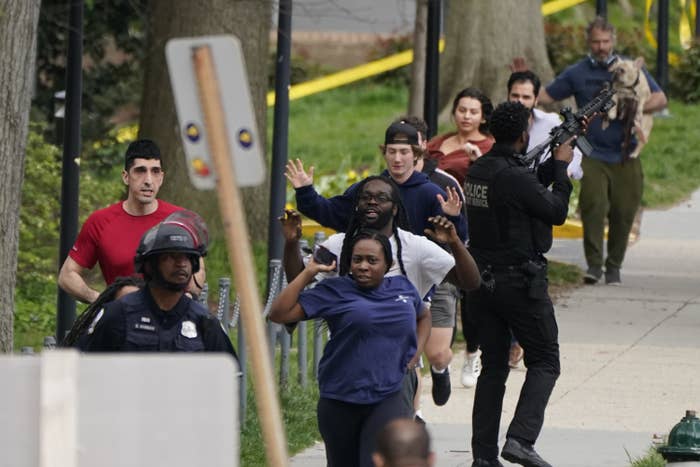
(630, 356)
(358, 16)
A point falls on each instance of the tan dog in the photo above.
(632, 93)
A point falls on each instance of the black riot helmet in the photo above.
(182, 231)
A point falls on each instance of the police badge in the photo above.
(188, 329)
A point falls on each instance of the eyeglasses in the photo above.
(380, 198)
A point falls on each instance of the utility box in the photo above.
(76, 410)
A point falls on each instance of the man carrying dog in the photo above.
(611, 186)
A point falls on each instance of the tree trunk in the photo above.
(481, 40)
(416, 92)
(250, 21)
(18, 23)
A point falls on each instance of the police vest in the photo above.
(500, 231)
(145, 332)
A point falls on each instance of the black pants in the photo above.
(469, 328)
(534, 326)
(350, 431)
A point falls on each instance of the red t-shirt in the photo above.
(110, 237)
(456, 163)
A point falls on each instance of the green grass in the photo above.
(341, 129)
(298, 408)
(671, 160)
(563, 274)
(651, 459)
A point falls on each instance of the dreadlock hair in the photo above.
(509, 121)
(400, 221)
(372, 234)
(109, 294)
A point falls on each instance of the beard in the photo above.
(380, 222)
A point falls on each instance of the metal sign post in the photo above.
(432, 67)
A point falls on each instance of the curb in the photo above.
(570, 229)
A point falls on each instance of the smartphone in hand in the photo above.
(323, 255)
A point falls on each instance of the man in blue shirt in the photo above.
(612, 183)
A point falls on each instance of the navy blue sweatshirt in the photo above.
(418, 193)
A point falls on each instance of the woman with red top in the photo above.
(455, 151)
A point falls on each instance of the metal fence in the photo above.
(280, 336)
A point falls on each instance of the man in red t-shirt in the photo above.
(110, 235)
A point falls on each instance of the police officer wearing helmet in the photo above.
(161, 317)
(511, 213)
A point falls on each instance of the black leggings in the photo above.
(350, 430)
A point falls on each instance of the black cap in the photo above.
(401, 133)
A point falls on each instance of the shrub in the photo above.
(37, 261)
(685, 81)
(565, 44)
(385, 47)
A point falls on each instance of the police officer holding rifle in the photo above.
(511, 212)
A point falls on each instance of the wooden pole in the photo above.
(241, 257)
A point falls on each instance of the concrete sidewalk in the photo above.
(630, 357)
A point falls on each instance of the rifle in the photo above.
(573, 125)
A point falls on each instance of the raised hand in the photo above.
(296, 174)
(291, 225)
(472, 151)
(453, 204)
(518, 64)
(314, 268)
(443, 230)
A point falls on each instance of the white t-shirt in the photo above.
(426, 264)
(542, 124)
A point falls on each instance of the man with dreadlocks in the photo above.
(511, 214)
(378, 205)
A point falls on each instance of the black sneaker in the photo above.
(520, 453)
(441, 386)
(612, 276)
(486, 463)
(592, 276)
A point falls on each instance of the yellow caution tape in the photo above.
(570, 229)
(684, 25)
(556, 6)
(683, 28)
(350, 75)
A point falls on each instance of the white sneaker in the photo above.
(471, 370)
